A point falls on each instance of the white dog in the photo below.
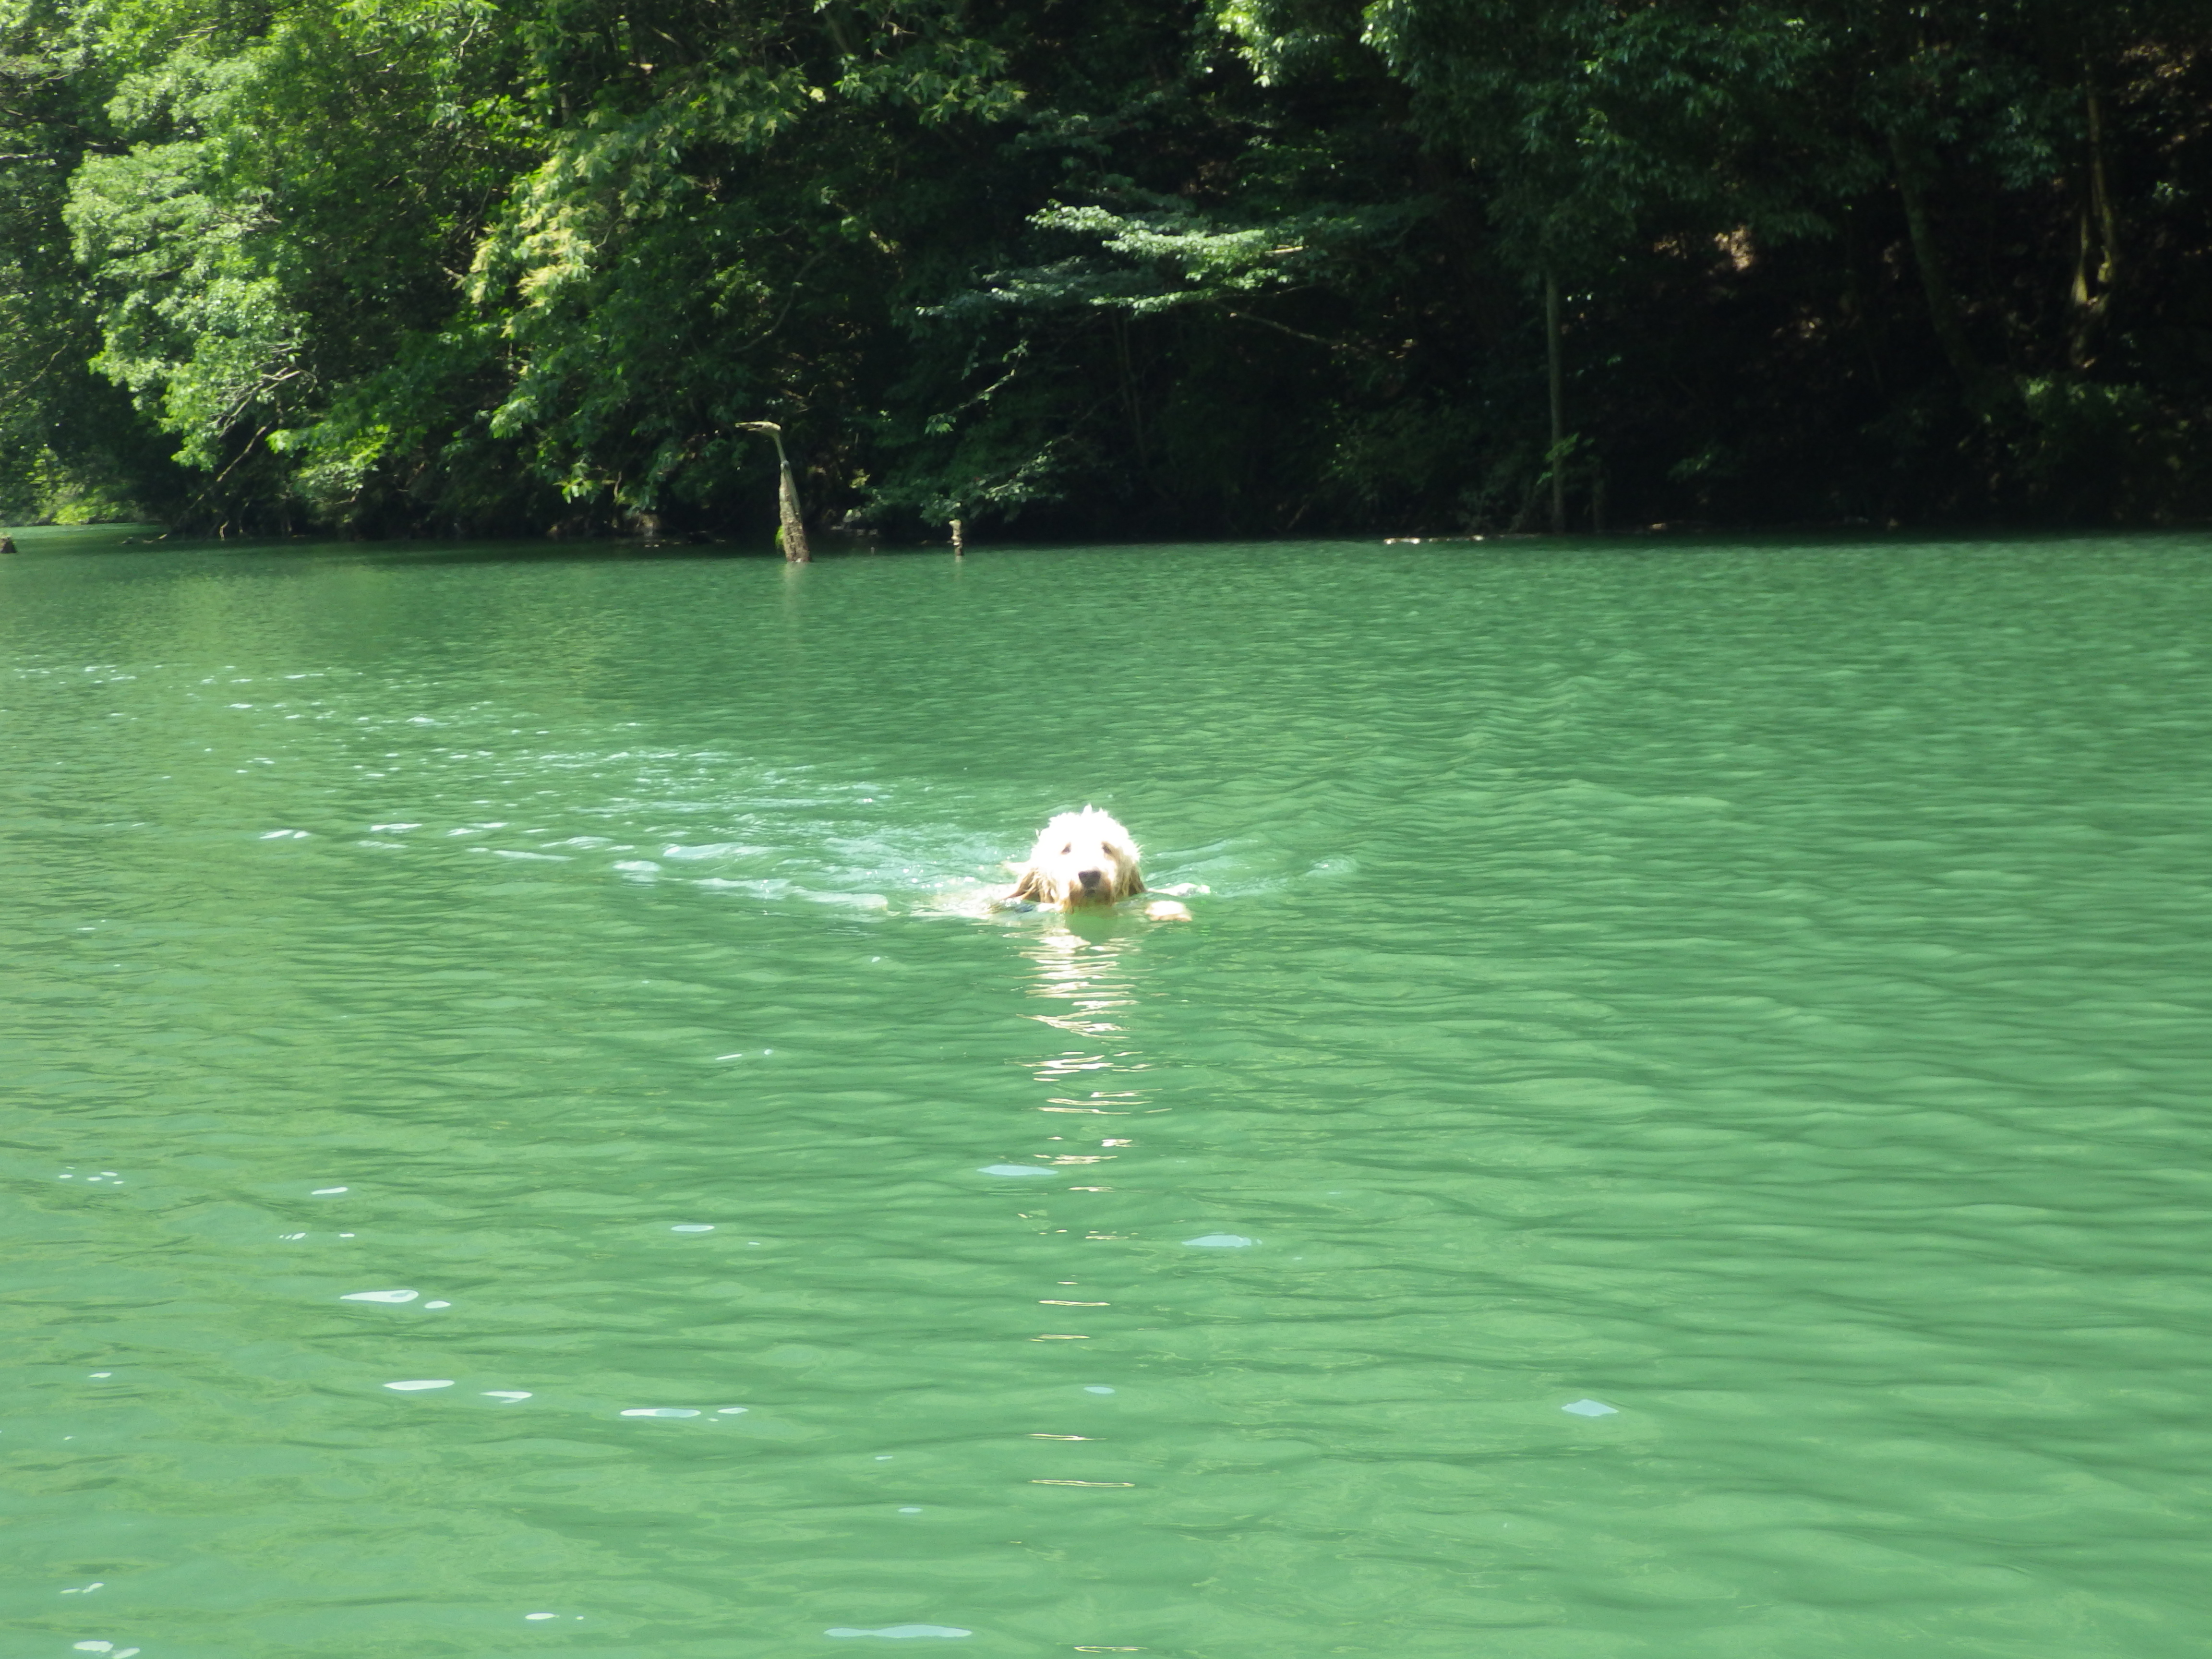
(1081, 861)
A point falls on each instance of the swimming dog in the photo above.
(1083, 861)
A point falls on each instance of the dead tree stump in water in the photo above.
(793, 534)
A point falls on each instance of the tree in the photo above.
(70, 445)
(395, 265)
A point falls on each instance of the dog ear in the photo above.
(1025, 887)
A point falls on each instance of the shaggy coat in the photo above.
(1080, 858)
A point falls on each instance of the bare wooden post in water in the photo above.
(795, 550)
(959, 539)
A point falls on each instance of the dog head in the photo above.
(1081, 859)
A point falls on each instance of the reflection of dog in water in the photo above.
(1084, 860)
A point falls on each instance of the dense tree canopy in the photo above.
(1232, 266)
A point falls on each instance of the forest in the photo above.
(1104, 268)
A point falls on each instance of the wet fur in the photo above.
(1073, 845)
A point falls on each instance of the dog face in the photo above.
(1081, 859)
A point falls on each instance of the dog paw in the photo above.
(1167, 910)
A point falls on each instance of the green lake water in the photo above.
(1759, 989)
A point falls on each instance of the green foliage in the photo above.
(69, 445)
(255, 266)
(397, 265)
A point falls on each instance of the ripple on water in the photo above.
(1764, 984)
(900, 1632)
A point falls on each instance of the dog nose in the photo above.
(1090, 879)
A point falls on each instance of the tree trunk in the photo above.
(2096, 248)
(1129, 393)
(2100, 191)
(1558, 402)
(2087, 305)
(1942, 304)
(786, 501)
(791, 534)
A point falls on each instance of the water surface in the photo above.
(1688, 1083)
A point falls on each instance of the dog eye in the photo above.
(1070, 848)
(1109, 849)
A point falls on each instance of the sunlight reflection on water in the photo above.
(1749, 1002)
